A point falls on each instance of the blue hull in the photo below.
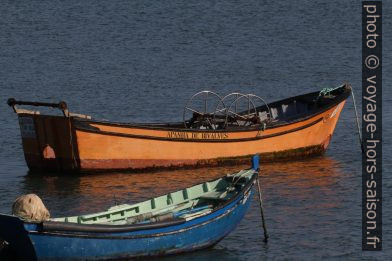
(195, 234)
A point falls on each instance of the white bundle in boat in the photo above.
(30, 207)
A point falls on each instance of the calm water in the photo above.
(139, 61)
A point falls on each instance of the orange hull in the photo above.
(74, 144)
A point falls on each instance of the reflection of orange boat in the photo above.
(290, 128)
(291, 179)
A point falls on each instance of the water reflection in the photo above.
(315, 182)
(303, 198)
(78, 194)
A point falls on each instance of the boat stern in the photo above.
(48, 140)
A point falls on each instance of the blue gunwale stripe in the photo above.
(197, 222)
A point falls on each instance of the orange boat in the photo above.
(287, 129)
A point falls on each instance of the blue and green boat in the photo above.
(186, 220)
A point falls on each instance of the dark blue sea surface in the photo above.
(139, 61)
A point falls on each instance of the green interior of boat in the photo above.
(187, 203)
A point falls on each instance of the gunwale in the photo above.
(162, 127)
(76, 229)
(165, 126)
(100, 132)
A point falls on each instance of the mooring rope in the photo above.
(356, 118)
(266, 236)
